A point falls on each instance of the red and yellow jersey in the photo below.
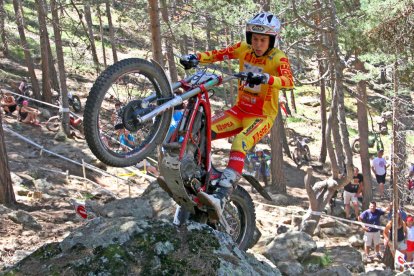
(261, 99)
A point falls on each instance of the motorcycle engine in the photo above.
(188, 167)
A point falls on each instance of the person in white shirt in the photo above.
(410, 239)
(379, 168)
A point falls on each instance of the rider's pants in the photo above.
(250, 128)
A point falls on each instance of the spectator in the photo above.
(28, 114)
(410, 183)
(401, 235)
(126, 139)
(400, 211)
(410, 238)
(8, 103)
(351, 193)
(379, 168)
(411, 171)
(115, 118)
(148, 168)
(372, 234)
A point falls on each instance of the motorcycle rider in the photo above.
(257, 103)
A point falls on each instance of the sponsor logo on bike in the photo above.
(224, 126)
(252, 126)
(259, 135)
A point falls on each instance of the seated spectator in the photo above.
(28, 114)
(148, 168)
(8, 103)
(126, 139)
(401, 235)
(411, 171)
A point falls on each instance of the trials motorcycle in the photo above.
(184, 156)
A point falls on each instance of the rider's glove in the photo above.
(257, 78)
(189, 61)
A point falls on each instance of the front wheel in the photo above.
(307, 153)
(240, 214)
(297, 157)
(127, 89)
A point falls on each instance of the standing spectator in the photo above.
(411, 171)
(372, 235)
(410, 238)
(401, 235)
(401, 211)
(351, 193)
(379, 168)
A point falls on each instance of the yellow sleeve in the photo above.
(231, 52)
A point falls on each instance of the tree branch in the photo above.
(306, 23)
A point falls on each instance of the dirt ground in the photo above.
(49, 203)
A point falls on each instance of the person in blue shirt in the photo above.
(126, 140)
(372, 234)
(401, 211)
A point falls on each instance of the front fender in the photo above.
(253, 181)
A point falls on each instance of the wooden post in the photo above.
(394, 168)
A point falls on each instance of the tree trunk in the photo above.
(44, 40)
(168, 45)
(322, 97)
(4, 45)
(53, 78)
(26, 49)
(89, 24)
(155, 31)
(6, 186)
(111, 30)
(319, 54)
(363, 136)
(98, 8)
(339, 90)
(330, 148)
(61, 65)
(209, 27)
(278, 176)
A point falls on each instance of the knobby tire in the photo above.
(96, 97)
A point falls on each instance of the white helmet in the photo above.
(263, 23)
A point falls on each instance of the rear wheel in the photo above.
(240, 214)
(53, 124)
(127, 89)
(355, 146)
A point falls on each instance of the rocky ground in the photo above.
(46, 185)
